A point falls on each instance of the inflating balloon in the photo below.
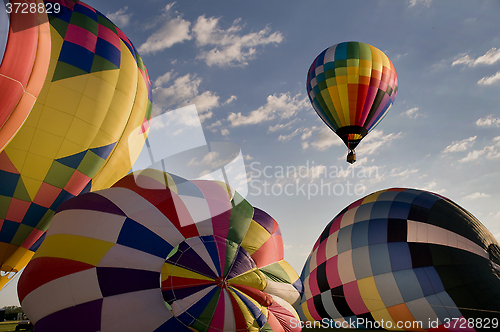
(24, 54)
(400, 258)
(158, 253)
(89, 123)
(352, 86)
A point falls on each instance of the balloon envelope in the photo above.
(407, 256)
(106, 252)
(24, 56)
(352, 85)
(96, 94)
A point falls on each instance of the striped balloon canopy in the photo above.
(352, 85)
(179, 255)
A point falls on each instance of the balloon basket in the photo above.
(351, 157)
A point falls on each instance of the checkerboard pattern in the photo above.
(402, 255)
(67, 177)
(352, 84)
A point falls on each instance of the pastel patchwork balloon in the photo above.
(400, 257)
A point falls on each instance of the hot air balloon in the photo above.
(220, 261)
(404, 259)
(89, 123)
(352, 86)
(24, 55)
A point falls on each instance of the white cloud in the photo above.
(283, 105)
(489, 58)
(432, 187)
(210, 159)
(405, 174)
(325, 139)
(308, 132)
(473, 155)
(374, 141)
(490, 79)
(412, 113)
(184, 91)
(229, 47)
(214, 126)
(489, 152)
(464, 59)
(462, 145)
(220, 47)
(281, 126)
(165, 78)
(174, 30)
(230, 100)
(440, 65)
(256, 116)
(288, 137)
(425, 3)
(213, 160)
(119, 17)
(477, 195)
(178, 122)
(488, 121)
(495, 215)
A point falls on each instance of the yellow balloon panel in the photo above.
(72, 245)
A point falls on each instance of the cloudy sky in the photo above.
(243, 65)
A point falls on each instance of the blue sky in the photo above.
(243, 64)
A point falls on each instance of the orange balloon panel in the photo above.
(23, 69)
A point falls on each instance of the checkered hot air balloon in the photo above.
(159, 253)
(352, 86)
(87, 126)
(411, 259)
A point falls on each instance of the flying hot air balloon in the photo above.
(88, 124)
(352, 86)
(24, 56)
